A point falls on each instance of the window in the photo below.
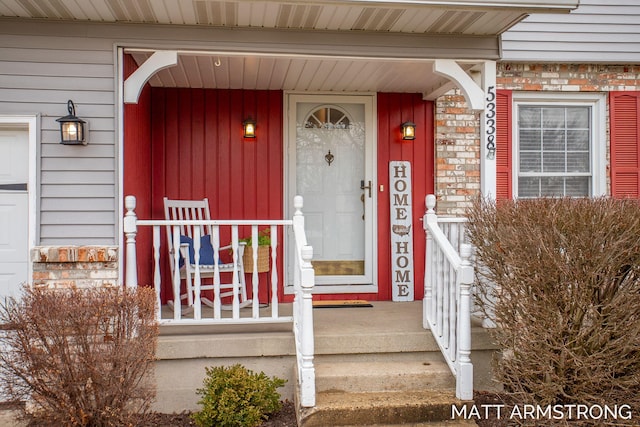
(328, 117)
(558, 146)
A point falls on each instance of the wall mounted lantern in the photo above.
(72, 129)
(408, 130)
(249, 128)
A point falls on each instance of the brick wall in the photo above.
(457, 168)
(79, 266)
(568, 77)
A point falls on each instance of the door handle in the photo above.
(363, 187)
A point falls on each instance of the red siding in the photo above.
(198, 151)
(393, 110)
(504, 170)
(137, 167)
(625, 144)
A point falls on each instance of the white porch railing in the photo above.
(447, 295)
(304, 280)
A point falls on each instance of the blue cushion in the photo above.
(206, 250)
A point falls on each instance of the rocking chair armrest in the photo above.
(183, 247)
(241, 246)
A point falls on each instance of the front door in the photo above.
(331, 165)
(14, 210)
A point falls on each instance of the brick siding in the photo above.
(75, 266)
(457, 144)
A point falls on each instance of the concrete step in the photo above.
(383, 376)
(335, 408)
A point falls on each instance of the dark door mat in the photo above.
(341, 304)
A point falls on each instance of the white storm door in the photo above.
(14, 211)
(331, 153)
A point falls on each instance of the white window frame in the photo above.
(598, 147)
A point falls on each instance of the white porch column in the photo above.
(480, 94)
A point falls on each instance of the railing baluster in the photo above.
(439, 292)
(254, 276)
(157, 280)
(177, 311)
(446, 285)
(215, 242)
(274, 273)
(235, 282)
(451, 324)
(197, 300)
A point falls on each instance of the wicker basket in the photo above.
(263, 259)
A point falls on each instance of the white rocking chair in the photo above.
(199, 210)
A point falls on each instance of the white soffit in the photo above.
(471, 17)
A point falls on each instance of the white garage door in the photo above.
(14, 210)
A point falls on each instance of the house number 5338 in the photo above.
(490, 122)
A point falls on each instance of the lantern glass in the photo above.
(249, 126)
(408, 131)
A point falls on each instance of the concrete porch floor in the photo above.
(393, 319)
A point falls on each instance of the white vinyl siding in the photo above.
(598, 31)
(77, 188)
(559, 145)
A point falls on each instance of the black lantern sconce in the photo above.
(408, 131)
(72, 129)
(249, 128)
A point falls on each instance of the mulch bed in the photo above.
(286, 417)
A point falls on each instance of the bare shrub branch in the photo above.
(80, 357)
(561, 280)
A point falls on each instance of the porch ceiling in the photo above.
(299, 74)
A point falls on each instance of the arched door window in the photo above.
(327, 117)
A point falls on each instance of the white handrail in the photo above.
(304, 280)
(447, 299)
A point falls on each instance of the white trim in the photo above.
(488, 130)
(473, 93)
(32, 123)
(598, 104)
(119, 115)
(337, 284)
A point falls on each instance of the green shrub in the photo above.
(561, 280)
(235, 396)
(80, 357)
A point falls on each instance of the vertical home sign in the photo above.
(401, 233)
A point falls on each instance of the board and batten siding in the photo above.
(598, 31)
(77, 184)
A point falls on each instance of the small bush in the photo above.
(80, 357)
(237, 397)
(561, 279)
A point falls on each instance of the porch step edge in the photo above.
(378, 408)
(381, 376)
(225, 345)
